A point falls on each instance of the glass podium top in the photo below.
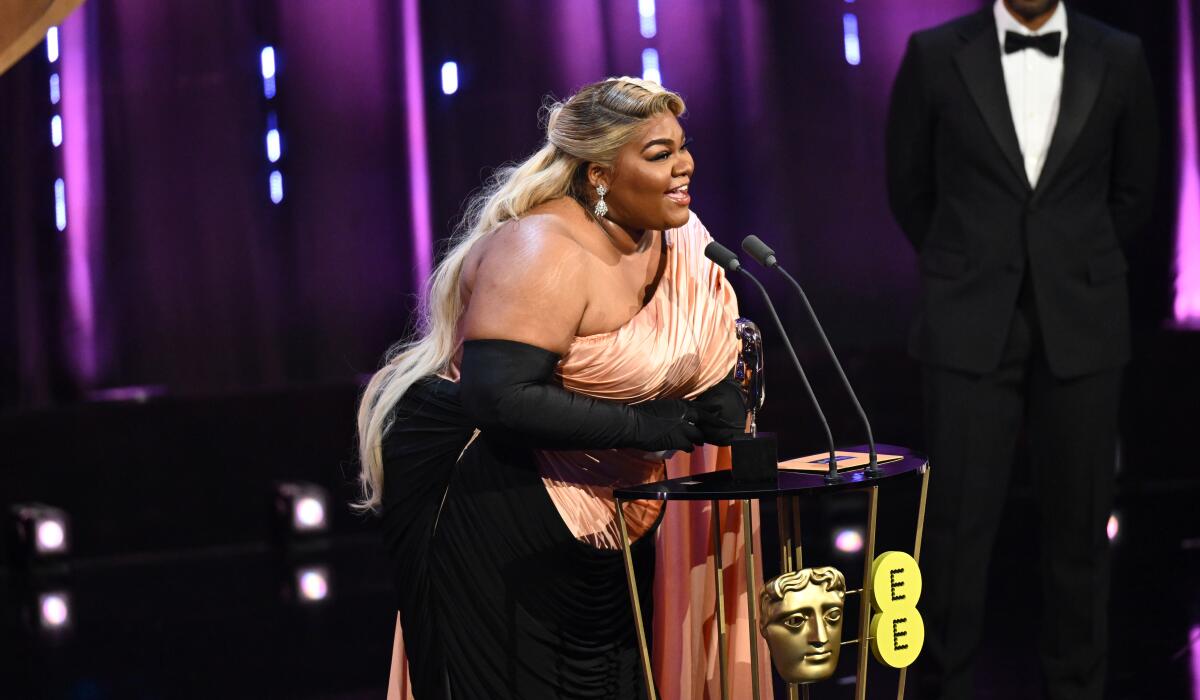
(719, 485)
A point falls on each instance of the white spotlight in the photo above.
(312, 584)
(52, 44)
(273, 147)
(51, 537)
(54, 610)
(268, 62)
(650, 70)
(646, 18)
(1113, 528)
(42, 531)
(852, 48)
(267, 59)
(60, 204)
(449, 78)
(303, 505)
(848, 541)
(275, 181)
(310, 514)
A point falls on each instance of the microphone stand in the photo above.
(766, 257)
(728, 260)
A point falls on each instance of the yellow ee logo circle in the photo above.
(897, 630)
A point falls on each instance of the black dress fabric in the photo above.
(497, 598)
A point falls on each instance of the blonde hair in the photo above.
(589, 127)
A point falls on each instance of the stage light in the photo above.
(312, 584)
(267, 59)
(650, 70)
(449, 78)
(52, 44)
(274, 139)
(1113, 528)
(40, 530)
(850, 38)
(303, 505)
(848, 541)
(648, 21)
(276, 183)
(273, 145)
(268, 62)
(60, 204)
(55, 90)
(310, 513)
(51, 537)
(54, 610)
(56, 130)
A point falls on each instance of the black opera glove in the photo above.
(509, 386)
(722, 412)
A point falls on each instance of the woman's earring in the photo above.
(601, 206)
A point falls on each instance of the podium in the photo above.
(786, 489)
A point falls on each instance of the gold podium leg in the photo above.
(798, 556)
(719, 576)
(864, 608)
(783, 521)
(917, 558)
(921, 515)
(647, 672)
(751, 594)
(791, 558)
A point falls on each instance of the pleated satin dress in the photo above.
(508, 571)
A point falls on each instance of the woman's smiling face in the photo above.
(648, 181)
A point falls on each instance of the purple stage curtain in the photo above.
(33, 366)
(198, 282)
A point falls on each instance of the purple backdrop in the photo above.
(176, 269)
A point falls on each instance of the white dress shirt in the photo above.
(1033, 81)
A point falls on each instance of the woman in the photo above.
(573, 333)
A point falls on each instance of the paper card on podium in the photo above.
(846, 461)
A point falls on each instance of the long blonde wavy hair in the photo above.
(589, 127)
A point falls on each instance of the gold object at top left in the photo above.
(23, 25)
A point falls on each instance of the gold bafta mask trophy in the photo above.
(802, 622)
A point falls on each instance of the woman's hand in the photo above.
(670, 424)
(722, 412)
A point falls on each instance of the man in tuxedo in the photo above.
(1021, 148)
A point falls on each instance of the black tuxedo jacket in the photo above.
(957, 187)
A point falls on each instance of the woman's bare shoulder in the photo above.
(544, 238)
(526, 285)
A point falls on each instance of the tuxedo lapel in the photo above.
(1083, 72)
(979, 62)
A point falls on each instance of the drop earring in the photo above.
(601, 206)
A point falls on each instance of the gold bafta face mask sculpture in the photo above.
(802, 622)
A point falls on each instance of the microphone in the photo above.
(762, 253)
(728, 260)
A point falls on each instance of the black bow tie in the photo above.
(1048, 44)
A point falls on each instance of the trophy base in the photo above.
(755, 458)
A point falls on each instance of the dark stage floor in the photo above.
(216, 613)
(232, 622)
